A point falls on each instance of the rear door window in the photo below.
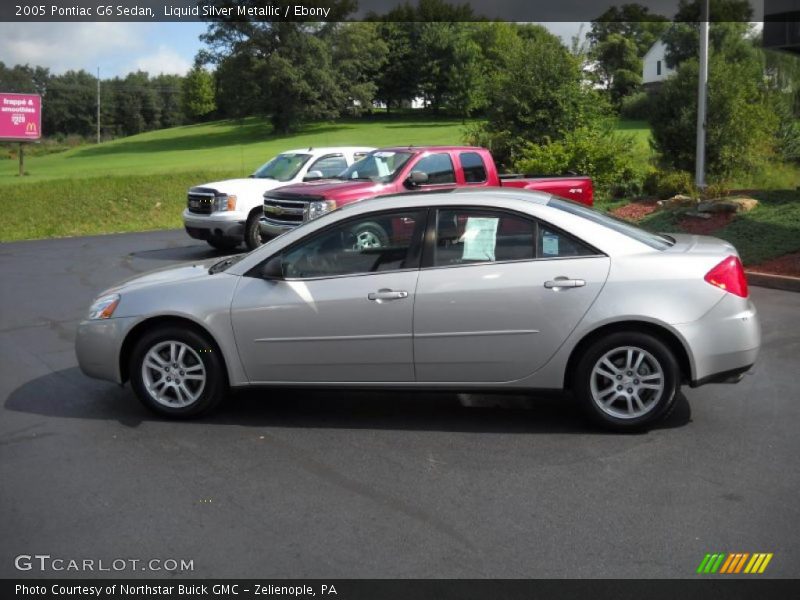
(473, 166)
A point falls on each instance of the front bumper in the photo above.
(724, 343)
(271, 228)
(98, 345)
(215, 225)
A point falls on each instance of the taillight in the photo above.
(729, 276)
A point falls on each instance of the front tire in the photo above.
(627, 381)
(177, 372)
(252, 231)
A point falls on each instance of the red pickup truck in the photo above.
(404, 169)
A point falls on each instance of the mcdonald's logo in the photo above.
(30, 128)
(734, 563)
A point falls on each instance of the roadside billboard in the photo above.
(20, 117)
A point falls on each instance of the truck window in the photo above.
(474, 169)
(330, 165)
(438, 167)
(283, 167)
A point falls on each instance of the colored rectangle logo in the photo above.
(20, 116)
(734, 563)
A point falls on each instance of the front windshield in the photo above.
(380, 166)
(283, 167)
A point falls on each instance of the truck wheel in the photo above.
(224, 244)
(177, 372)
(369, 235)
(252, 232)
(627, 381)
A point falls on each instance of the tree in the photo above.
(359, 55)
(197, 95)
(633, 22)
(450, 70)
(71, 104)
(727, 31)
(535, 93)
(619, 65)
(741, 126)
(289, 62)
(619, 39)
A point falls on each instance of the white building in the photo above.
(655, 69)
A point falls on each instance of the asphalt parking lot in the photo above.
(363, 484)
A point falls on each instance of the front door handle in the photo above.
(385, 295)
(563, 282)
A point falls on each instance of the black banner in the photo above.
(405, 589)
(322, 10)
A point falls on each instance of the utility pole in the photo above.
(98, 105)
(702, 98)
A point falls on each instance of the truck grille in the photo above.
(201, 201)
(286, 209)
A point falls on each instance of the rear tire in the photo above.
(252, 232)
(177, 372)
(627, 381)
(224, 244)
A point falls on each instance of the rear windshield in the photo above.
(657, 242)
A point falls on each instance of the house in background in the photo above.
(655, 69)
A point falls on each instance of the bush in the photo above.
(636, 107)
(666, 184)
(740, 133)
(608, 157)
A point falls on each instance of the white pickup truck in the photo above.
(225, 213)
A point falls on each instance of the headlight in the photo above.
(318, 208)
(103, 307)
(226, 202)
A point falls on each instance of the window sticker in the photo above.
(550, 244)
(480, 238)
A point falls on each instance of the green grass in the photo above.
(139, 183)
(96, 205)
(222, 145)
(770, 230)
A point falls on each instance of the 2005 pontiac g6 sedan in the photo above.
(492, 290)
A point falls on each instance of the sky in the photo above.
(119, 48)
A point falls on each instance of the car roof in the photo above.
(483, 194)
(324, 149)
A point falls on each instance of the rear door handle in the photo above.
(386, 295)
(564, 282)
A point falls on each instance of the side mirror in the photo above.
(272, 270)
(313, 175)
(416, 178)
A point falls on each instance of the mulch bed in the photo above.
(705, 226)
(635, 211)
(787, 265)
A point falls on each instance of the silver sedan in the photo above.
(491, 290)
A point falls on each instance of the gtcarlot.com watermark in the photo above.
(47, 563)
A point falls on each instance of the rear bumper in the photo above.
(215, 225)
(725, 343)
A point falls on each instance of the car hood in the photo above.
(166, 275)
(242, 187)
(334, 189)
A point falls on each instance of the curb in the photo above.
(777, 282)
